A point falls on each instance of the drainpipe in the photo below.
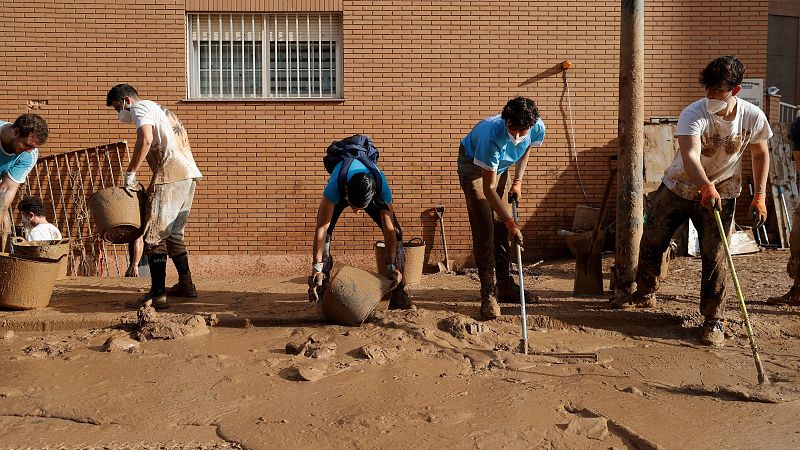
(631, 138)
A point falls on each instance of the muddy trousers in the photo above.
(793, 268)
(668, 211)
(490, 244)
(167, 213)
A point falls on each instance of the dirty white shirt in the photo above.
(170, 156)
(722, 145)
(43, 232)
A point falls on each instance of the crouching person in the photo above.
(162, 140)
(358, 184)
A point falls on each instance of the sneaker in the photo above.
(713, 333)
(790, 298)
(159, 302)
(182, 290)
(490, 309)
(508, 292)
(400, 300)
(635, 300)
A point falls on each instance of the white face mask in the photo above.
(517, 141)
(714, 106)
(124, 114)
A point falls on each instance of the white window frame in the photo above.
(296, 33)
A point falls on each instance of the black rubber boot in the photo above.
(184, 287)
(157, 294)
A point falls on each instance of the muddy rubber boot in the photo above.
(508, 292)
(490, 309)
(400, 299)
(635, 300)
(184, 287)
(790, 298)
(713, 333)
(158, 275)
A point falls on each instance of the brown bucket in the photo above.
(27, 283)
(44, 249)
(352, 295)
(118, 214)
(415, 259)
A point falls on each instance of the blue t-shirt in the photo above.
(16, 167)
(489, 146)
(332, 189)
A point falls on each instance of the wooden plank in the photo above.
(783, 179)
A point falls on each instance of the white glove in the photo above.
(130, 180)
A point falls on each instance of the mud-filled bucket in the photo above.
(415, 259)
(118, 214)
(54, 249)
(352, 295)
(27, 283)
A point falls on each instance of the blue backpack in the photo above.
(358, 147)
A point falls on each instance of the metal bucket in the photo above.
(415, 259)
(118, 214)
(352, 295)
(27, 283)
(44, 249)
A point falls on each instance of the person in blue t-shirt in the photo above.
(18, 155)
(360, 196)
(485, 154)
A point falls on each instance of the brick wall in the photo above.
(417, 75)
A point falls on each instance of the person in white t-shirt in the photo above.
(713, 135)
(162, 140)
(37, 228)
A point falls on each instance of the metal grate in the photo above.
(286, 55)
(64, 182)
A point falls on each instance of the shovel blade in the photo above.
(589, 272)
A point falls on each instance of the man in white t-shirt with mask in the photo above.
(162, 140)
(713, 134)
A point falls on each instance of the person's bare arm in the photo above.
(144, 139)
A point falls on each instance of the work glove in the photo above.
(711, 198)
(130, 180)
(394, 275)
(315, 286)
(758, 208)
(515, 191)
(514, 231)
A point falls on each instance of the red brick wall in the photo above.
(418, 75)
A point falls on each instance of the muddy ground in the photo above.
(429, 378)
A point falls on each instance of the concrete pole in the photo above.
(631, 138)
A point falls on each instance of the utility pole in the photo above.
(631, 139)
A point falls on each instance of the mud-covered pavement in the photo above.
(428, 378)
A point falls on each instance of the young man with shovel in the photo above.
(162, 140)
(484, 156)
(793, 267)
(362, 187)
(18, 155)
(706, 174)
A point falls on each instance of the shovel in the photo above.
(762, 375)
(447, 264)
(524, 341)
(587, 246)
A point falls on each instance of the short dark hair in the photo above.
(119, 92)
(520, 113)
(32, 205)
(360, 190)
(28, 124)
(724, 72)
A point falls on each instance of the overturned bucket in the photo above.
(118, 214)
(415, 259)
(54, 249)
(352, 295)
(27, 283)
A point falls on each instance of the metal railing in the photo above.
(787, 113)
(64, 182)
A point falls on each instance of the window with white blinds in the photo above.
(264, 55)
